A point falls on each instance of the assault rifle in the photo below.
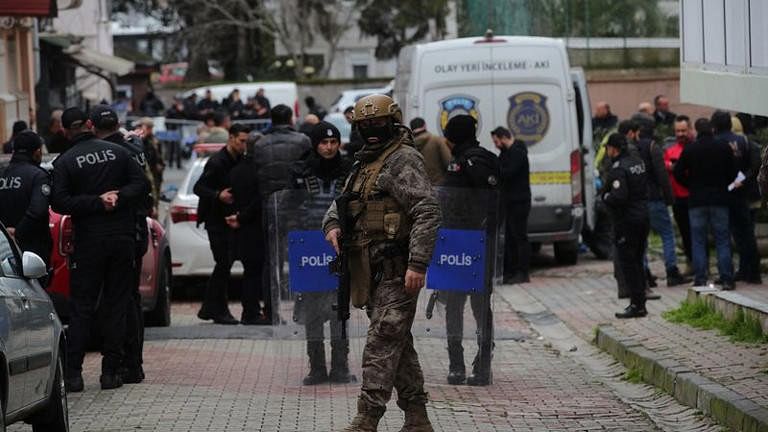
(340, 265)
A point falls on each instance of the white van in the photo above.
(524, 84)
(278, 92)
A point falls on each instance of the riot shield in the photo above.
(454, 323)
(310, 337)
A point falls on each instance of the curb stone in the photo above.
(688, 387)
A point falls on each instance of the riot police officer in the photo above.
(626, 195)
(101, 187)
(393, 217)
(24, 192)
(472, 167)
(323, 174)
(107, 127)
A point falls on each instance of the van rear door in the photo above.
(584, 119)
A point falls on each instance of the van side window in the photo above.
(579, 114)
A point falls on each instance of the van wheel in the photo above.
(56, 413)
(567, 253)
(160, 316)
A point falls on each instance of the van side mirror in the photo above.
(33, 267)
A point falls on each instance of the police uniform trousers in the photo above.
(631, 241)
(454, 325)
(134, 324)
(102, 273)
(389, 359)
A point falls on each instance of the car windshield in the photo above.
(194, 176)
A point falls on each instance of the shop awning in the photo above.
(87, 57)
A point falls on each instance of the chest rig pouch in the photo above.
(378, 219)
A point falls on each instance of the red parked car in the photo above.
(155, 285)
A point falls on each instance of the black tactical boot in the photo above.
(339, 362)
(416, 418)
(317, 372)
(110, 381)
(481, 367)
(457, 372)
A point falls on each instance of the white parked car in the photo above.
(348, 98)
(192, 255)
(32, 344)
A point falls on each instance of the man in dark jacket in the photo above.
(433, 148)
(18, 127)
(24, 192)
(101, 187)
(625, 193)
(516, 202)
(707, 167)
(473, 167)
(659, 197)
(107, 127)
(216, 203)
(741, 222)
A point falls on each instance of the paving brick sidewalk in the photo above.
(589, 298)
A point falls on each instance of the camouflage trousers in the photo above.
(389, 359)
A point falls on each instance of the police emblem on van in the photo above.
(455, 105)
(528, 117)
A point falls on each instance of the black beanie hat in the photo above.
(322, 131)
(461, 129)
(26, 142)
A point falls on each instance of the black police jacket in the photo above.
(472, 167)
(626, 192)
(659, 187)
(215, 178)
(515, 174)
(24, 192)
(90, 168)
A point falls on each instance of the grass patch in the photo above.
(699, 314)
(633, 375)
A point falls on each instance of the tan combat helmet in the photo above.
(375, 106)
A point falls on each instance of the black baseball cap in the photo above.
(104, 117)
(27, 142)
(322, 131)
(73, 117)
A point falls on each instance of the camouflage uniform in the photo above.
(389, 359)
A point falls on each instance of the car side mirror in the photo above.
(168, 195)
(33, 266)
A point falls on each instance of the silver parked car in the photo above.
(31, 344)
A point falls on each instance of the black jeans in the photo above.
(680, 212)
(102, 273)
(223, 247)
(251, 252)
(517, 250)
(743, 232)
(631, 242)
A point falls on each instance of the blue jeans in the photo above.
(702, 219)
(661, 223)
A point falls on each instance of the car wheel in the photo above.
(567, 253)
(160, 316)
(56, 414)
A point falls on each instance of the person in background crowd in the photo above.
(18, 127)
(739, 216)
(24, 192)
(683, 136)
(190, 108)
(274, 156)
(249, 233)
(315, 108)
(659, 197)
(323, 174)
(55, 139)
(151, 105)
(308, 125)
(625, 193)
(219, 131)
(152, 152)
(707, 167)
(234, 104)
(216, 203)
(263, 102)
(355, 140)
(645, 108)
(661, 113)
(433, 148)
(516, 196)
(177, 110)
(603, 121)
(102, 195)
(472, 168)
(207, 105)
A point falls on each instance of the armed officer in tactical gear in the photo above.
(626, 195)
(24, 192)
(394, 217)
(472, 167)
